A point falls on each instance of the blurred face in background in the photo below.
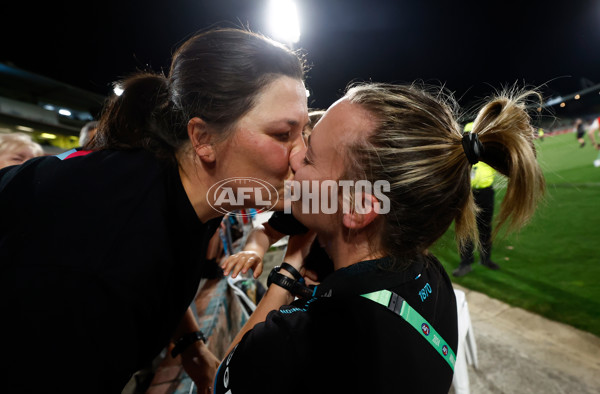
(16, 155)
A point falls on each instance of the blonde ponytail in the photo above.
(417, 145)
(504, 128)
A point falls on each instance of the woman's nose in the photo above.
(296, 155)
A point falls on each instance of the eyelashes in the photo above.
(283, 136)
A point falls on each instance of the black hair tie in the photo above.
(472, 147)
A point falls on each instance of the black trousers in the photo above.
(484, 198)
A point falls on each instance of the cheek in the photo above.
(272, 157)
(256, 153)
(323, 224)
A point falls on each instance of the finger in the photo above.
(312, 275)
(226, 261)
(226, 266)
(231, 264)
(237, 268)
(229, 259)
(258, 270)
(251, 262)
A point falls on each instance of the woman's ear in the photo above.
(363, 213)
(201, 140)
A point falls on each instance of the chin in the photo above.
(280, 204)
(298, 215)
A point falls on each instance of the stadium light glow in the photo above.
(283, 20)
(554, 101)
(64, 112)
(118, 90)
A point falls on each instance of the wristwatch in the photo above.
(185, 341)
(297, 288)
(290, 268)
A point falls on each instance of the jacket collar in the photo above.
(367, 276)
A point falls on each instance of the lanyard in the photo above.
(399, 306)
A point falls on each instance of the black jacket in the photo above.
(100, 255)
(340, 342)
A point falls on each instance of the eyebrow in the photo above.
(290, 122)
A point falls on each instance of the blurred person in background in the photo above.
(366, 327)
(482, 182)
(591, 130)
(17, 148)
(541, 134)
(87, 132)
(102, 252)
(580, 132)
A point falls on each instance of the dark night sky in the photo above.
(470, 46)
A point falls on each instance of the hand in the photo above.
(201, 365)
(243, 261)
(311, 277)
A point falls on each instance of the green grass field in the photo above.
(552, 266)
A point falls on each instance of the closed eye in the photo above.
(283, 136)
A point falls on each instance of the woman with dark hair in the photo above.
(102, 250)
(385, 320)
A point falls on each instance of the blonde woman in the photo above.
(17, 148)
(385, 320)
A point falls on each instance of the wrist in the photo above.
(291, 270)
(186, 341)
(252, 249)
(294, 259)
(253, 245)
(285, 280)
(284, 296)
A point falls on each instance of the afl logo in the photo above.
(425, 329)
(445, 350)
(233, 194)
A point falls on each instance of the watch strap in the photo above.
(295, 287)
(290, 268)
(185, 341)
